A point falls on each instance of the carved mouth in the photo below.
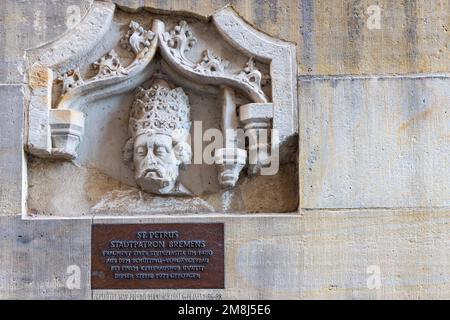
(228, 177)
(152, 172)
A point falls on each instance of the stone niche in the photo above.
(118, 104)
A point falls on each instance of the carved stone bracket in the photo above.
(66, 131)
(257, 118)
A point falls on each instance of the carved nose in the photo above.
(150, 158)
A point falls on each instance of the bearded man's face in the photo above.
(155, 163)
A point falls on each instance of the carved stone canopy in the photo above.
(252, 74)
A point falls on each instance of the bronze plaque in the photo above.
(158, 256)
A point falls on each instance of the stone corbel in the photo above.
(66, 129)
(257, 120)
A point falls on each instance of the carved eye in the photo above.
(160, 151)
(141, 150)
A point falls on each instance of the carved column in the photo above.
(231, 159)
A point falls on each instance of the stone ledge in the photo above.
(318, 255)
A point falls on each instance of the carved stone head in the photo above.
(159, 127)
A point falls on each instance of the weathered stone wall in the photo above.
(374, 158)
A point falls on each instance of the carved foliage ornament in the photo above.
(210, 68)
(109, 65)
(137, 38)
(70, 80)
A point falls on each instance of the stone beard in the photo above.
(159, 127)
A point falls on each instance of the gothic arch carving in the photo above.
(60, 91)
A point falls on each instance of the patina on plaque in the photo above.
(158, 256)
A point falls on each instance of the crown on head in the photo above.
(160, 109)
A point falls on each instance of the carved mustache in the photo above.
(158, 172)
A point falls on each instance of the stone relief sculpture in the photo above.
(160, 116)
(159, 125)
